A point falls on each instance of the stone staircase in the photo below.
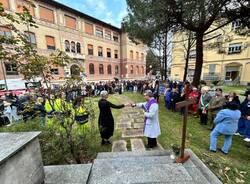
(133, 167)
(21, 163)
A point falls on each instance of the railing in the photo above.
(211, 77)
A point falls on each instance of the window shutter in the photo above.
(90, 46)
(70, 22)
(21, 3)
(46, 14)
(5, 4)
(50, 40)
(88, 28)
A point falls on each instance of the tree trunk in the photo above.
(166, 55)
(199, 59)
(186, 67)
(187, 57)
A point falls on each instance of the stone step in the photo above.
(67, 174)
(104, 155)
(138, 125)
(133, 173)
(197, 175)
(137, 145)
(132, 133)
(128, 161)
(124, 125)
(158, 147)
(195, 162)
(119, 145)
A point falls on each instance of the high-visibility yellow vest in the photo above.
(80, 111)
(58, 104)
(47, 106)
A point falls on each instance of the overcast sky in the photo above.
(109, 11)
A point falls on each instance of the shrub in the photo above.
(215, 82)
(202, 82)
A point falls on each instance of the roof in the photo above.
(81, 14)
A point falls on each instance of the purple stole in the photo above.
(147, 107)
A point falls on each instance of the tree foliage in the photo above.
(18, 49)
(149, 18)
(154, 61)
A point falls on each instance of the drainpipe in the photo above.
(4, 75)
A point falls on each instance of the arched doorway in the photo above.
(232, 71)
(75, 70)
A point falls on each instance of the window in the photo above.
(234, 48)
(88, 28)
(90, 50)
(115, 37)
(190, 73)
(101, 71)
(137, 56)
(131, 69)
(67, 46)
(54, 71)
(116, 69)
(78, 48)
(99, 31)
(5, 31)
(20, 4)
(100, 52)
(109, 69)
(50, 42)
(137, 70)
(108, 53)
(31, 38)
(91, 68)
(5, 4)
(70, 22)
(142, 70)
(131, 55)
(46, 14)
(192, 54)
(212, 69)
(108, 34)
(142, 56)
(11, 69)
(236, 24)
(73, 47)
(116, 54)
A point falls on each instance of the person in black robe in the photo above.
(106, 120)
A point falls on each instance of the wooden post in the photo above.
(184, 156)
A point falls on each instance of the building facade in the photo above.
(104, 51)
(228, 61)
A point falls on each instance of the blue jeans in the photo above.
(241, 126)
(213, 141)
(244, 127)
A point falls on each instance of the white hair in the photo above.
(148, 93)
(103, 94)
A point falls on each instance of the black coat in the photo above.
(106, 120)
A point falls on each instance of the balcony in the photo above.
(211, 76)
(75, 55)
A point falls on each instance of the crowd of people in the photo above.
(224, 114)
(33, 103)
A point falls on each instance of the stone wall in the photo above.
(23, 166)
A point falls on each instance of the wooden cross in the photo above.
(184, 156)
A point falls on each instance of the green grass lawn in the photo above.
(237, 89)
(233, 168)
